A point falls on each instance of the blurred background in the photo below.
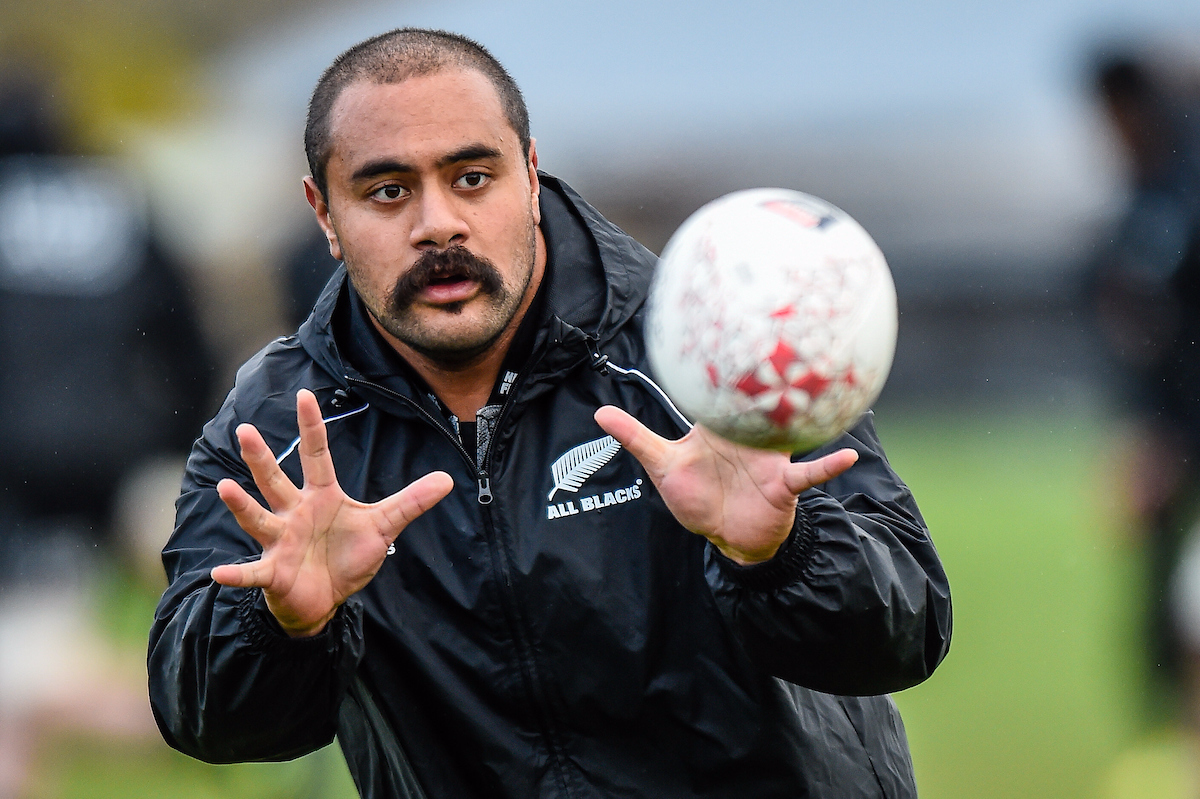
(1030, 169)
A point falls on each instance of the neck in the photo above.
(465, 387)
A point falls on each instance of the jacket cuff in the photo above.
(788, 565)
(264, 634)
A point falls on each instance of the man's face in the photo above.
(433, 207)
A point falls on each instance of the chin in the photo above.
(452, 345)
(451, 354)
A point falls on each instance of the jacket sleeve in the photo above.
(226, 684)
(855, 602)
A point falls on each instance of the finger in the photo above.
(276, 487)
(262, 525)
(400, 509)
(651, 449)
(315, 459)
(800, 477)
(255, 574)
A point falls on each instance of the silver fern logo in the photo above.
(571, 472)
(579, 463)
(575, 467)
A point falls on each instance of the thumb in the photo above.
(803, 475)
(648, 447)
(401, 508)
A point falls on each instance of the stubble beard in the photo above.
(455, 347)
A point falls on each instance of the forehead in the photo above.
(421, 115)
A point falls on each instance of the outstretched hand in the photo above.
(741, 499)
(319, 545)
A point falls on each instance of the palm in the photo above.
(330, 549)
(723, 491)
(741, 499)
(319, 545)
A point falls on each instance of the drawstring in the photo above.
(602, 365)
(599, 362)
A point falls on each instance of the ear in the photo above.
(321, 208)
(534, 185)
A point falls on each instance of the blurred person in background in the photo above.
(102, 367)
(1145, 286)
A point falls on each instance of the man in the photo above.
(517, 640)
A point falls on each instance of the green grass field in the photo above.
(1039, 696)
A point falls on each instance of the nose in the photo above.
(439, 223)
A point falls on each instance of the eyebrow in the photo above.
(389, 166)
(472, 152)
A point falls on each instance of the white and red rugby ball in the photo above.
(772, 319)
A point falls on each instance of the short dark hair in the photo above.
(393, 57)
(31, 122)
(1123, 78)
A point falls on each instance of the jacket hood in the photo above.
(597, 280)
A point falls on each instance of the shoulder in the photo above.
(264, 395)
(280, 368)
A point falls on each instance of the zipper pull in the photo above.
(485, 489)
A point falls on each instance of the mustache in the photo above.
(456, 261)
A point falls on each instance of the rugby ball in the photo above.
(772, 319)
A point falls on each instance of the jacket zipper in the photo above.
(484, 482)
(536, 686)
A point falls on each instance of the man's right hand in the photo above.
(319, 545)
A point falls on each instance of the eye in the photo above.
(389, 192)
(472, 180)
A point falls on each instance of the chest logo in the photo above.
(579, 463)
(574, 467)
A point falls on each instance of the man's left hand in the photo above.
(741, 499)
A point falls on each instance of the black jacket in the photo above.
(569, 638)
(97, 327)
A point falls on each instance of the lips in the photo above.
(453, 288)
